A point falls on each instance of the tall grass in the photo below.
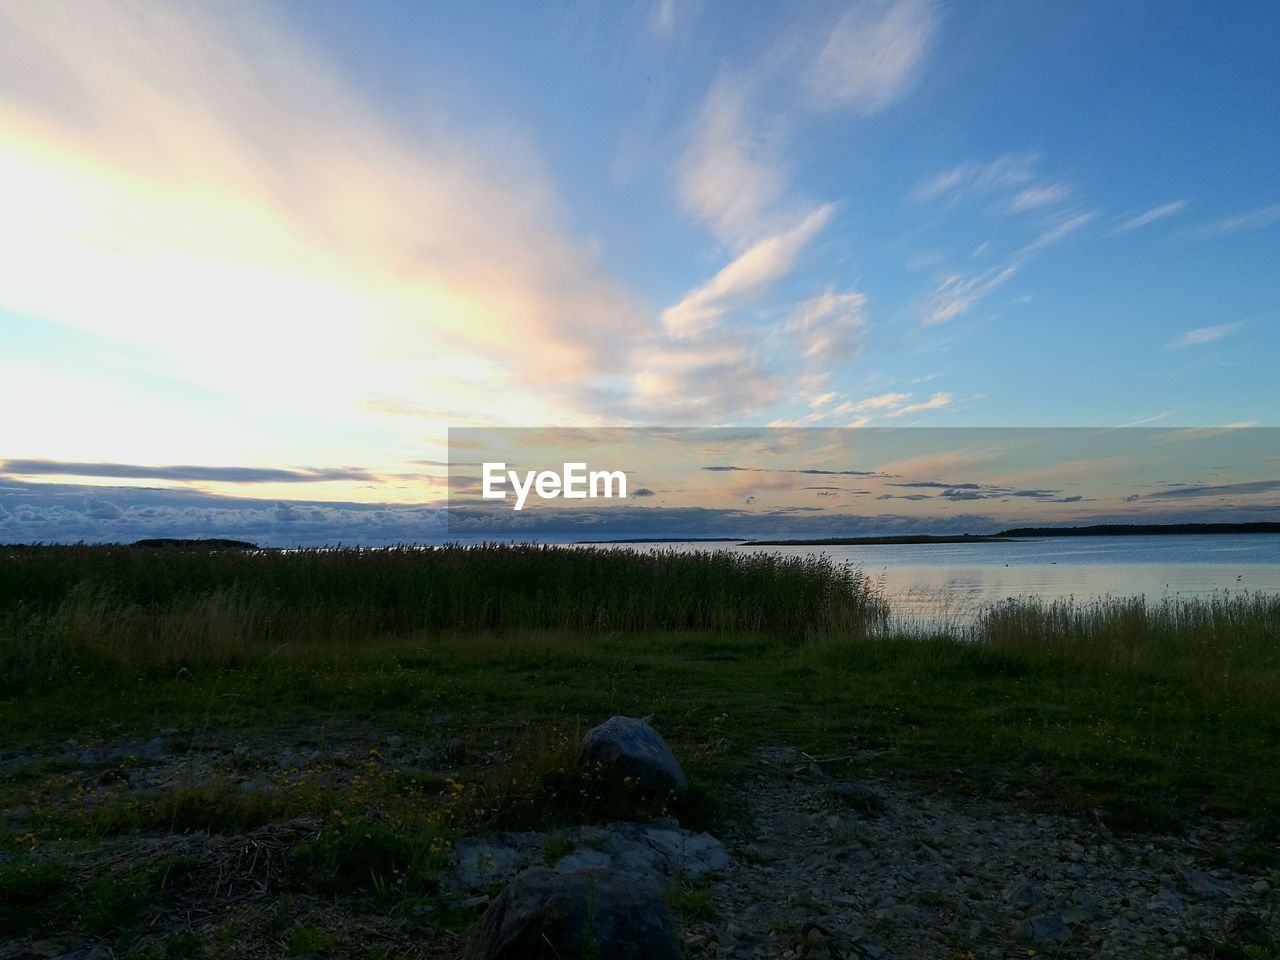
(69, 609)
(1214, 636)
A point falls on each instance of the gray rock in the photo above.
(652, 854)
(628, 747)
(856, 797)
(477, 863)
(1049, 928)
(545, 915)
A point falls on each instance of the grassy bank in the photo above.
(1116, 703)
(79, 610)
(1127, 714)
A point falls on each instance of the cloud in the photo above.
(829, 326)
(1214, 490)
(210, 177)
(729, 174)
(872, 56)
(809, 471)
(1059, 231)
(1037, 196)
(970, 180)
(1202, 335)
(96, 509)
(642, 492)
(1249, 220)
(69, 513)
(762, 265)
(1151, 216)
(664, 17)
(129, 471)
(881, 402)
(955, 295)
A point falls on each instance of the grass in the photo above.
(1136, 714)
(85, 609)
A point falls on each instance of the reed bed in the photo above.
(1225, 637)
(66, 609)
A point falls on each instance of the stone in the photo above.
(1048, 928)
(630, 747)
(545, 915)
(856, 797)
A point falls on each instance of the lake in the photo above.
(947, 582)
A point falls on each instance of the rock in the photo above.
(1249, 929)
(456, 751)
(92, 755)
(628, 747)
(1048, 928)
(862, 799)
(653, 854)
(544, 915)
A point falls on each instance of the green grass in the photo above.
(1140, 715)
(84, 610)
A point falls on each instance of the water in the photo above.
(948, 582)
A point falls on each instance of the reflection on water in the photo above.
(948, 583)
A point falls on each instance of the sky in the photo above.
(256, 259)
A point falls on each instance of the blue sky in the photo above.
(312, 237)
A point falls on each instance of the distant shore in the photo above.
(1011, 535)
(874, 541)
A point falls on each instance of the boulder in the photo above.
(630, 747)
(587, 913)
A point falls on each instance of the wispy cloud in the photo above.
(1040, 195)
(829, 326)
(730, 173)
(1249, 220)
(763, 264)
(1202, 335)
(884, 401)
(872, 55)
(1151, 216)
(130, 471)
(935, 402)
(1248, 488)
(969, 180)
(213, 195)
(1059, 231)
(956, 294)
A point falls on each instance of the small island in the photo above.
(876, 541)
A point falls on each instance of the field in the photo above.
(351, 713)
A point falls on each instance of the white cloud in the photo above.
(1060, 231)
(730, 174)
(1202, 335)
(883, 401)
(1152, 215)
(1241, 222)
(762, 265)
(1039, 195)
(664, 17)
(971, 180)
(830, 326)
(871, 57)
(956, 294)
(210, 178)
(935, 402)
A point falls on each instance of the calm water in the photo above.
(949, 581)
